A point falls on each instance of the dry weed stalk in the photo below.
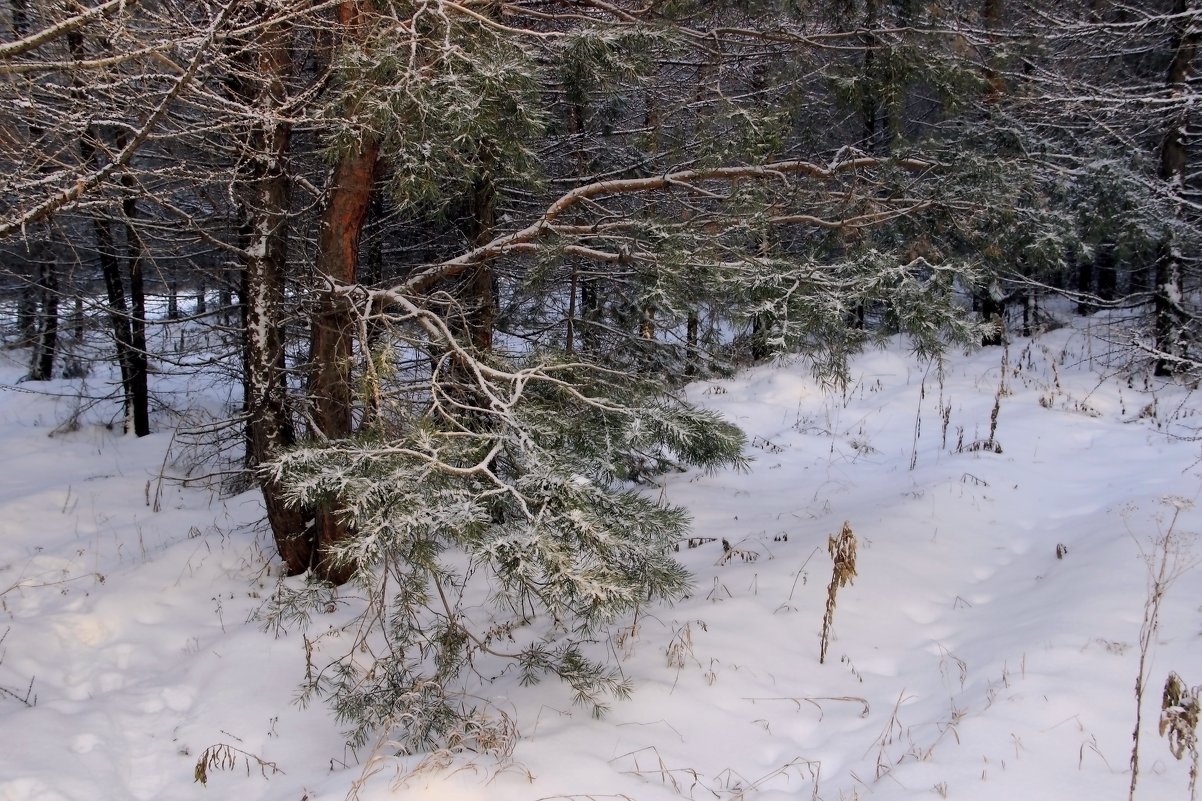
(668, 776)
(991, 444)
(680, 648)
(1166, 563)
(691, 783)
(223, 756)
(843, 551)
(813, 701)
(893, 731)
(1179, 709)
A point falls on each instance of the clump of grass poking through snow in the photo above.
(1179, 711)
(843, 551)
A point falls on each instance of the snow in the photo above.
(988, 648)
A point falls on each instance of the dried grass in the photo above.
(843, 551)
(1179, 710)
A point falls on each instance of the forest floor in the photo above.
(1009, 510)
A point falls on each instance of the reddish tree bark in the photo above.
(333, 326)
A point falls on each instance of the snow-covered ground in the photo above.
(988, 648)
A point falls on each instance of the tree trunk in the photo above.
(991, 13)
(993, 312)
(27, 313)
(480, 290)
(118, 313)
(40, 310)
(1167, 284)
(692, 330)
(131, 364)
(590, 313)
(269, 425)
(1085, 286)
(78, 319)
(990, 301)
(135, 252)
(585, 314)
(333, 325)
(45, 345)
(870, 110)
(129, 329)
(20, 18)
(264, 240)
(1167, 309)
(1106, 265)
(761, 327)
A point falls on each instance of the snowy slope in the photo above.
(988, 648)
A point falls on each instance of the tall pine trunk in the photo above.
(1167, 280)
(135, 254)
(126, 319)
(480, 301)
(333, 328)
(269, 427)
(990, 301)
(333, 325)
(118, 311)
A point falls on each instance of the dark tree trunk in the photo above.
(870, 111)
(991, 14)
(1085, 286)
(569, 338)
(41, 367)
(20, 18)
(1167, 309)
(27, 313)
(993, 313)
(474, 320)
(1106, 265)
(118, 312)
(479, 297)
(1167, 284)
(127, 321)
(78, 319)
(692, 330)
(135, 252)
(37, 311)
(584, 308)
(590, 313)
(129, 339)
(264, 239)
(761, 325)
(225, 300)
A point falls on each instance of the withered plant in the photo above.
(843, 551)
(1179, 709)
